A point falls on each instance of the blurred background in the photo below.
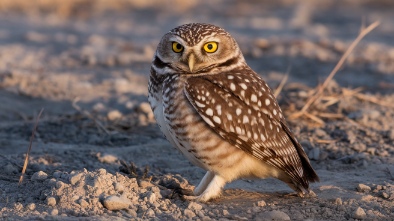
(48, 36)
(97, 54)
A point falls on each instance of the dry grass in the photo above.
(282, 84)
(29, 149)
(310, 109)
(98, 123)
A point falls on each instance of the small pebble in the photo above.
(132, 212)
(83, 203)
(225, 212)
(75, 178)
(114, 115)
(108, 158)
(359, 213)
(261, 203)
(145, 107)
(99, 107)
(373, 114)
(116, 203)
(57, 174)
(18, 206)
(31, 206)
(151, 197)
(320, 133)
(119, 187)
(391, 135)
(145, 184)
(189, 214)
(363, 188)
(150, 213)
(54, 212)
(314, 154)
(51, 201)
(272, 215)
(194, 206)
(338, 201)
(59, 185)
(10, 169)
(39, 176)
(102, 171)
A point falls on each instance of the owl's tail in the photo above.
(301, 185)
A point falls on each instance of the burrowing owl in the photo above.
(220, 114)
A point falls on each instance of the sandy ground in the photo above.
(87, 65)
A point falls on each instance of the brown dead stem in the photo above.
(282, 83)
(99, 125)
(318, 91)
(29, 148)
(373, 100)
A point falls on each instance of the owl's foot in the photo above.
(203, 183)
(213, 190)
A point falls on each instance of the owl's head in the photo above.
(196, 48)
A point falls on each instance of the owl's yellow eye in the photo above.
(211, 47)
(176, 47)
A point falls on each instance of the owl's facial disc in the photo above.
(195, 57)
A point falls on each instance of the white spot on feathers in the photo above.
(209, 112)
(245, 119)
(243, 86)
(238, 129)
(238, 111)
(208, 121)
(219, 109)
(253, 98)
(217, 119)
(232, 86)
(199, 104)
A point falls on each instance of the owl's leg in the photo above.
(203, 183)
(213, 189)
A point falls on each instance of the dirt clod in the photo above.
(273, 215)
(116, 203)
(39, 176)
(359, 213)
(51, 201)
(363, 188)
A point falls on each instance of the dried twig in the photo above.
(314, 118)
(131, 168)
(373, 100)
(282, 83)
(29, 149)
(326, 141)
(87, 114)
(321, 88)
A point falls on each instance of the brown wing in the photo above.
(241, 108)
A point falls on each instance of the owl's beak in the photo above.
(191, 61)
